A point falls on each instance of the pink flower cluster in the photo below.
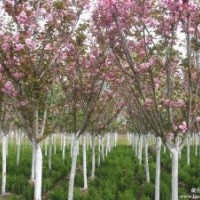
(157, 82)
(18, 75)
(30, 43)
(148, 102)
(144, 67)
(183, 127)
(22, 18)
(170, 136)
(48, 47)
(19, 47)
(198, 118)
(176, 104)
(9, 89)
(10, 2)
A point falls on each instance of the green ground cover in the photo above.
(120, 177)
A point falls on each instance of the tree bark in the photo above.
(132, 140)
(46, 146)
(72, 142)
(84, 163)
(4, 149)
(140, 149)
(18, 148)
(116, 138)
(63, 146)
(175, 174)
(54, 143)
(164, 149)
(196, 145)
(73, 169)
(188, 150)
(33, 163)
(93, 156)
(146, 159)
(99, 150)
(38, 173)
(50, 152)
(102, 149)
(157, 181)
(136, 145)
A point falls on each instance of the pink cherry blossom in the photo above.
(148, 102)
(157, 82)
(18, 75)
(19, 47)
(6, 47)
(144, 67)
(178, 104)
(9, 89)
(22, 18)
(10, 2)
(175, 127)
(48, 47)
(30, 43)
(194, 76)
(183, 127)
(170, 136)
(198, 118)
(166, 102)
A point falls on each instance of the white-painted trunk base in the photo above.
(73, 169)
(4, 149)
(84, 163)
(157, 181)
(38, 173)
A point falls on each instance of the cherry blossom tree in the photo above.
(143, 38)
(35, 39)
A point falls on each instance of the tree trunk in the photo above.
(136, 145)
(188, 150)
(78, 147)
(61, 141)
(54, 143)
(102, 149)
(46, 146)
(18, 148)
(63, 146)
(116, 138)
(84, 163)
(199, 143)
(132, 141)
(4, 149)
(33, 163)
(73, 170)
(146, 159)
(140, 150)
(6, 145)
(93, 156)
(50, 152)
(164, 149)
(196, 145)
(38, 173)
(109, 142)
(72, 144)
(99, 150)
(157, 181)
(175, 174)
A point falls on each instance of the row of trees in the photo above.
(52, 77)
(161, 69)
(58, 71)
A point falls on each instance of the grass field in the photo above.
(120, 177)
